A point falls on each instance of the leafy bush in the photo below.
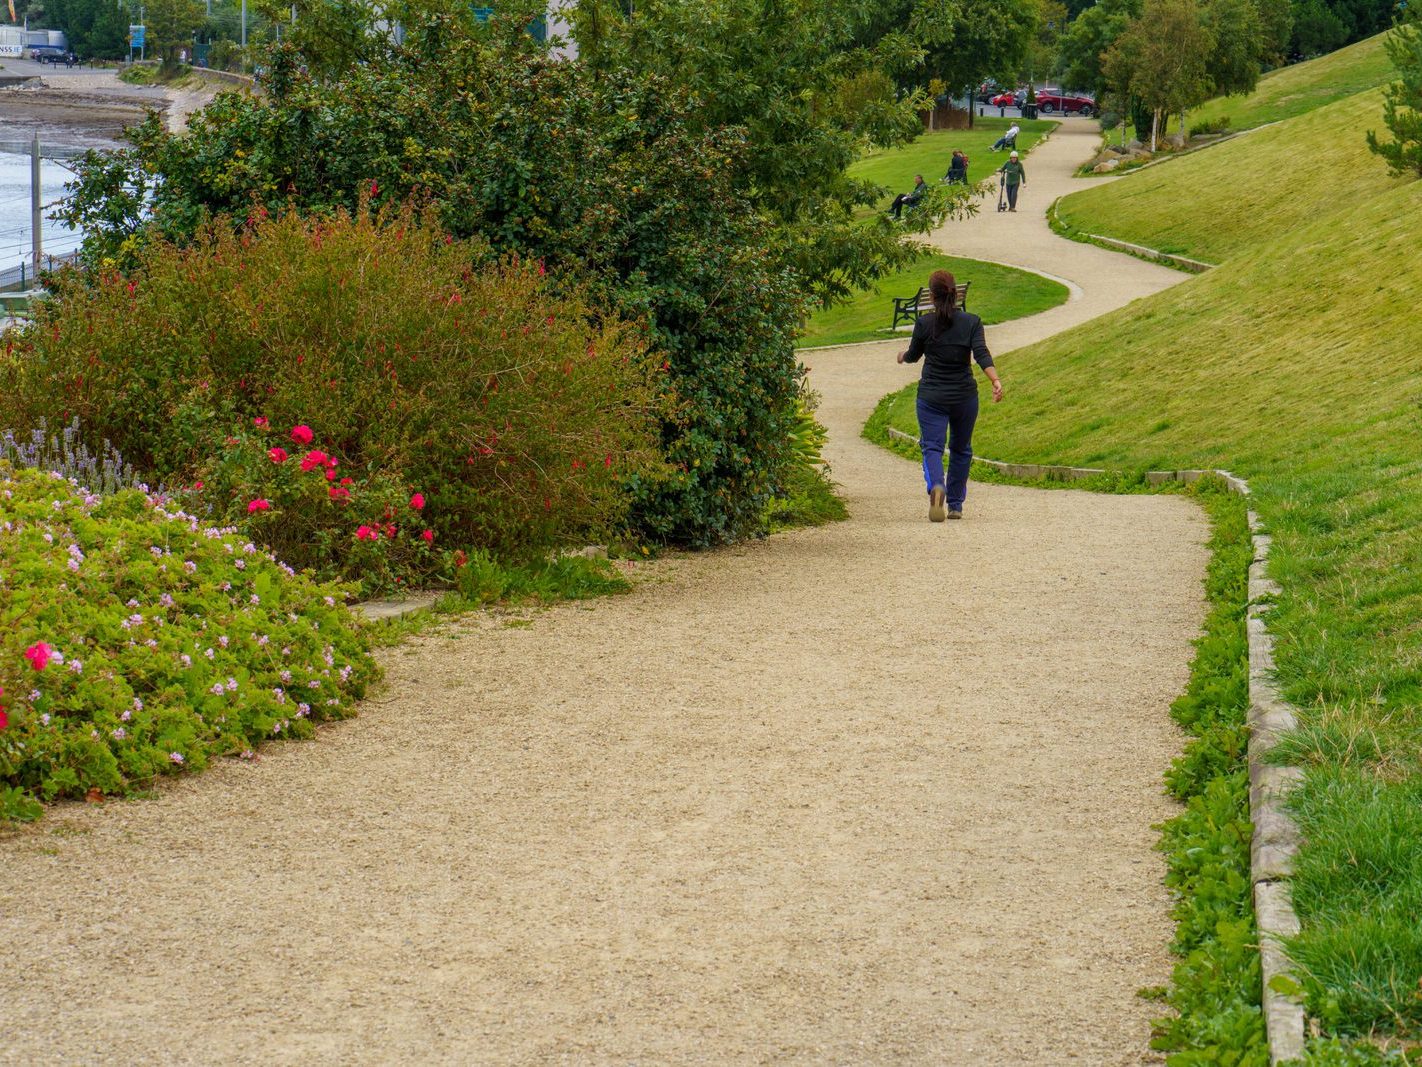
(606, 176)
(1210, 126)
(138, 642)
(517, 416)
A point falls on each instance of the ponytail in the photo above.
(945, 299)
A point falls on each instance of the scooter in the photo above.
(1001, 191)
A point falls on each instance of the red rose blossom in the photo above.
(418, 501)
(258, 505)
(276, 455)
(427, 536)
(302, 434)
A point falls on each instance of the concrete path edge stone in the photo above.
(1169, 259)
(1276, 836)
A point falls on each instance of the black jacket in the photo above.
(947, 376)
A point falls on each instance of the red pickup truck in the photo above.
(1068, 105)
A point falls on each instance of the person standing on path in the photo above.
(948, 341)
(1014, 174)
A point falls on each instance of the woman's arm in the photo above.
(914, 352)
(984, 360)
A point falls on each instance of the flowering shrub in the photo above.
(139, 642)
(518, 414)
(304, 505)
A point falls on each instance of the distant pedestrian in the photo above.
(1013, 175)
(957, 169)
(948, 341)
(1008, 140)
(909, 199)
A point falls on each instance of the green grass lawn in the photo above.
(997, 294)
(931, 153)
(1292, 91)
(1297, 364)
(1216, 204)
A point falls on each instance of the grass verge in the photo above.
(998, 294)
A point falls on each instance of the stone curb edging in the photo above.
(1169, 259)
(1276, 836)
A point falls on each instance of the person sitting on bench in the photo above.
(1008, 140)
(957, 169)
(909, 199)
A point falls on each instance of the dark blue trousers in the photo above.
(955, 427)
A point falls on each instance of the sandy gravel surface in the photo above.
(82, 107)
(875, 793)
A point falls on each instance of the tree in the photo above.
(1088, 40)
(1045, 46)
(96, 29)
(1317, 29)
(807, 85)
(1276, 30)
(1402, 101)
(985, 40)
(1238, 45)
(171, 25)
(1165, 55)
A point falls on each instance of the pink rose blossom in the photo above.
(39, 655)
(418, 501)
(258, 505)
(277, 455)
(427, 536)
(302, 434)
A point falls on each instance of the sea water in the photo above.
(15, 236)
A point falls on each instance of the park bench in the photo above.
(909, 308)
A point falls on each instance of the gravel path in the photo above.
(874, 793)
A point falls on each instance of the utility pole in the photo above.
(244, 29)
(35, 219)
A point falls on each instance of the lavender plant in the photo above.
(66, 454)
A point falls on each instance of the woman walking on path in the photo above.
(948, 340)
(1014, 174)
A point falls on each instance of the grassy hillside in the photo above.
(997, 294)
(1214, 204)
(1298, 365)
(1292, 91)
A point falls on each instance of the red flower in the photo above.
(607, 460)
(460, 559)
(38, 654)
(330, 475)
(4, 719)
(427, 536)
(348, 481)
(260, 422)
(337, 492)
(258, 505)
(418, 501)
(389, 529)
(197, 485)
(367, 533)
(374, 188)
(313, 459)
(302, 434)
(276, 455)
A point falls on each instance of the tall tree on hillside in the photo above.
(1238, 45)
(1317, 29)
(1166, 54)
(1402, 101)
(1276, 30)
(1089, 38)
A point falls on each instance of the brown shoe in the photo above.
(955, 513)
(936, 512)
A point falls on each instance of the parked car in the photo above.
(1047, 103)
(1007, 99)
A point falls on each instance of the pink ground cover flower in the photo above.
(39, 654)
(302, 434)
(418, 501)
(313, 459)
(427, 536)
(367, 533)
(277, 455)
(258, 505)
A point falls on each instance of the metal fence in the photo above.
(22, 276)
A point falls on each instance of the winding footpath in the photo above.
(880, 792)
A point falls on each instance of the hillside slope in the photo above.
(1214, 204)
(1291, 91)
